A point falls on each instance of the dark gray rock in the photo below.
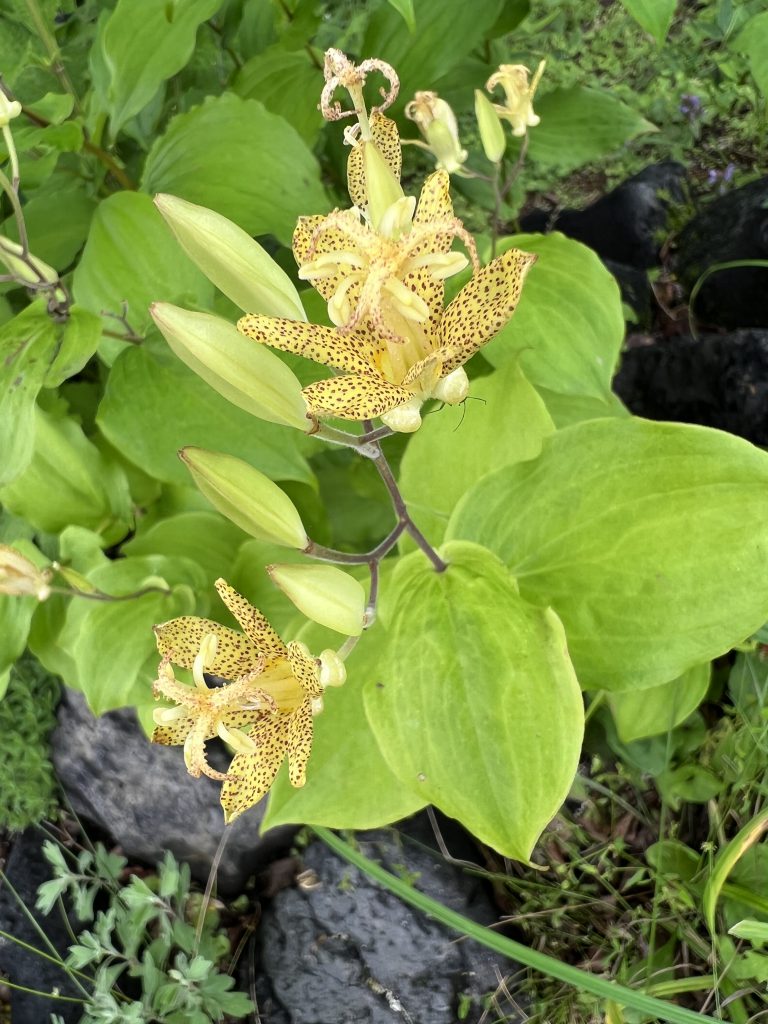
(628, 224)
(141, 795)
(347, 951)
(26, 870)
(717, 380)
(733, 226)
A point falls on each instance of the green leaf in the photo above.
(145, 42)
(405, 9)
(203, 537)
(111, 644)
(579, 125)
(77, 343)
(132, 257)
(237, 158)
(755, 932)
(568, 329)
(448, 30)
(503, 421)
(69, 481)
(753, 40)
(27, 346)
(476, 706)
(650, 541)
(57, 221)
(349, 783)
(655, 16)
(152, 408)
(658, 709)
(283, 81)
(726, 861)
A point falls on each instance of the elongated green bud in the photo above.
(324, 594)
(31, 270)
(491, 129)
(247, 497)
(231, 259)
(249, 376)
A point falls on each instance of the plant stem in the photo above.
(48, 40)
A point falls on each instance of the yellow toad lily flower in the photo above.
(518, 103)
(437, 123)
(274, 690)
(394, 341)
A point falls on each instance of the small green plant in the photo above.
(154, 953)
(27, 716)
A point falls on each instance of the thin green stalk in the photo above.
(41, 931)
(582, 980)
(48, 40)
(39, 952)
(45, 995)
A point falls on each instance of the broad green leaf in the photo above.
(153, 407)
(349, 784)
(68, 481)
(503, 421)
(284, 82)
(655, 16)
(203, 537)
(132, 257)
(237, 158)
(144, 43)
(658, 709)
(579, 125)
(77, 342)
(27, 346)
(566, 410)
(568, 329)
(36, 352)
(753, 40)
(447, 31)
(57, 220)
(650, 541)
(111, 644)
(476, 706)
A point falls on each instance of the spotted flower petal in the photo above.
(484, 305)
(352, 352)
(354, 397)
(179, 641)
(253, 623)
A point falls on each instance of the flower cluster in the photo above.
(381, 267)
(250, 689)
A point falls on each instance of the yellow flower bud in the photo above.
(8, 109)
(518, 102)
(491, 130)
(437, 123)
(247, 497)
(323, 593)
(231, 259)
(333, 672)
(247, 375)
(20, 577)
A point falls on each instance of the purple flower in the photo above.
(690, 106)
